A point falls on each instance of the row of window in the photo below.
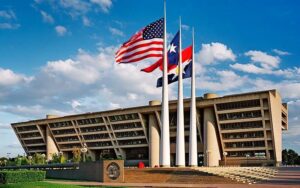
(127, 126)
(96, 136)
(35, 141)
(257, 134)
(68, 146)
(65, 131)
(27, 128)
(241, 125)
(93, 129)
(99, 144)
(132, 142)
(246, 154)
(129, 134)
(61, 124)
(29, 135)
(249, 144)
(123, 117)
(240, 115)
(238, 105)
(67, 139)
(90, 121)
(35, 148)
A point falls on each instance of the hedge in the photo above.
(21, 176)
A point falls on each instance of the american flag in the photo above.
(146, 43)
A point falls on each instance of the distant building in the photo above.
(242, 129)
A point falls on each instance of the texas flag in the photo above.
(173, 73)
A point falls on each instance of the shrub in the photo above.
(21, 176)
(58, 158)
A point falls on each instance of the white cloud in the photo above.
(222, 81)
(8, 77)
(104, 4)
(115, 31)
(280, 52)
(30, 111)
(75, 71)
(215, 52)
(86, 21)
(9, 26)
(75, 7)
(47, 17)
(185, 27)
(61, 30)
(7, 14)
(264, 59)
(251, 68)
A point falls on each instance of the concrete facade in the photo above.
(246, 127)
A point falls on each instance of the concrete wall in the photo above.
(154, 134)
(275, 116)
(211, 146)
(50, 145)
(90, 171)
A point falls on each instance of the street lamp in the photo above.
(207, 157)
(5, 161)
(247, 156)
(225, 154)
(83, 151)
(30, 159)
(43, 157)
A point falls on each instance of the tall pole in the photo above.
(193, 160)
(180, 148)
(165, 133)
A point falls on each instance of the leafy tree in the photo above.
(284, 157)
(290, 157)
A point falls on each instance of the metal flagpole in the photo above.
(165, 133)
(180, 148)
(193, 161)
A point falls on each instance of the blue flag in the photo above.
(173, 59)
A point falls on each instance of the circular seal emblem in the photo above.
(113, 171)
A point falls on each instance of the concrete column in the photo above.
(154, 141)
(211, 146)
(51, 147)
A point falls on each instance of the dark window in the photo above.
(240, 115)
(237, 105)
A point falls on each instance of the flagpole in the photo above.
(193, 130)
(180, 148)
(165, 133)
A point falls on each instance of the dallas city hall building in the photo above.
(242, 129)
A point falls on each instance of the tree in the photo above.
(284, 157)
(290, 157)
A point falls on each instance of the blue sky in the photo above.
(56, 56)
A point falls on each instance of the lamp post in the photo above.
(247, 156)
(225, 155)
(30, 159)
(83, 151)
(43, 157)
(207, 157)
